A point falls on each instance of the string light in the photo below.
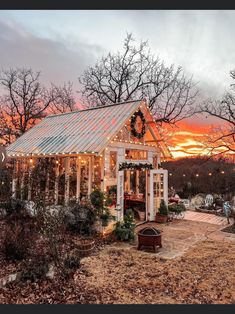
(210, 174)
(197, 175)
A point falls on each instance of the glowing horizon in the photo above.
(187, 139)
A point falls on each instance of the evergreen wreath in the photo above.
(133, 122)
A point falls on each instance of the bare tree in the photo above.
(221, 140)
(6, 130)
(26, 101)
(135, 74)
(64, 101)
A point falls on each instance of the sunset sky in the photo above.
(61, 44)
(187, 138)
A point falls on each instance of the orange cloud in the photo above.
(187, 139)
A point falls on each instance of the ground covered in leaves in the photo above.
(121, 274)
(203, 275)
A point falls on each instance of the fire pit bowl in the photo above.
(149, 236)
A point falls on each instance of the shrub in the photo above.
(17, 242)
(34, 270)
(72, 262)
(81, 219)
(97, 199)
(106, 217)
(177, 208)
(52, 228)
(15, 207)
(124, 230)
(163, 210)
(100, 201)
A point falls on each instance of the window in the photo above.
(136, 154)
(113, 164)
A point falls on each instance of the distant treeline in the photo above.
(190, 176)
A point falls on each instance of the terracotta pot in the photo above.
(161, 218)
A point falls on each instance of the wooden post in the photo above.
(47, 180)
(22, 181)
(128, 178)
(147, 194)
(56, 187)
(30, 183)
(89, 176)
(67, 175)
(92, 171)
(137, 180)
(78, 187)
(102, 171)
(15, 179)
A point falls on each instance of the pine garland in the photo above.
(131, 165)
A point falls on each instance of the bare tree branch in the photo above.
(64, 99)
(26, 101)
(221, 140)
(134, 74)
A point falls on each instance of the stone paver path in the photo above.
(203, 217)
(181, 235)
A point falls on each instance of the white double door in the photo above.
(156, 190)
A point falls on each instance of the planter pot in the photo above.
(161, 218)
(84, 247)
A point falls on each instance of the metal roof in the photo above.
(80, 131)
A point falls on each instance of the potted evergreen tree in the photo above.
(162, 214)
(125, 230)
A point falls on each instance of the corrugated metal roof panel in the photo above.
(80, 131)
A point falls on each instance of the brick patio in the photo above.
(203, 217)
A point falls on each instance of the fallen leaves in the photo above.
(122, 275)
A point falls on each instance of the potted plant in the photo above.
(124, 230)
(101, 203)
(106, 217)
(176, 210)
(162, 214)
